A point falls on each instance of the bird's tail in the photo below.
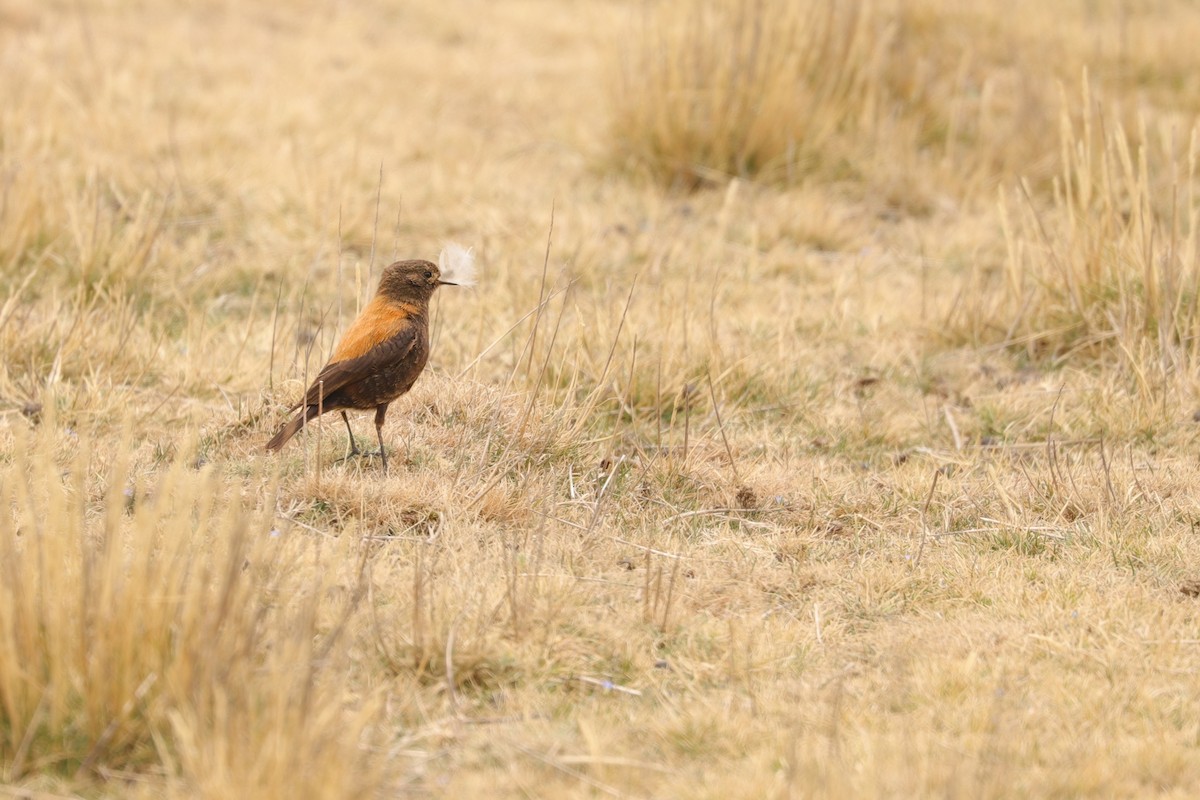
(291, 428)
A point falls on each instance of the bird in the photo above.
(384, 350)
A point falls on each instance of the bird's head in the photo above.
(415, 280)
(411, 281)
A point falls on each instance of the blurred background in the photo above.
(822, 424)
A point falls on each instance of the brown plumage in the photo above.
(379, 357)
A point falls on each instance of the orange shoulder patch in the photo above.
(377, 323)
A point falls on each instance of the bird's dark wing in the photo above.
(338, 374)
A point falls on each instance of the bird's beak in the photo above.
(446, 283)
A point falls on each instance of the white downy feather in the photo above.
(457, 264)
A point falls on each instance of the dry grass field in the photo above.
(824, 422)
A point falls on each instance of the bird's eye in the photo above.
(428, 274)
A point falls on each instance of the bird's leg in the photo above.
(380, 413)
(354, 451)
(353, 444)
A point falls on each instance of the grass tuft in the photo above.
(166, 635)
(1107, 270)
(749, 88)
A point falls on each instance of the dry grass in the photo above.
(1108, 270)
(882, 94)
(170, 632)
(829, 477)
(740, 88)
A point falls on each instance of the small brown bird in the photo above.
(384, 350)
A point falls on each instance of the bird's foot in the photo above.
(368, 455)
(382, 456)
(361, 455)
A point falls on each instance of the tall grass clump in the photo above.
(914, 99)
(747, 87)
(168, 636)
(1106, 269)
